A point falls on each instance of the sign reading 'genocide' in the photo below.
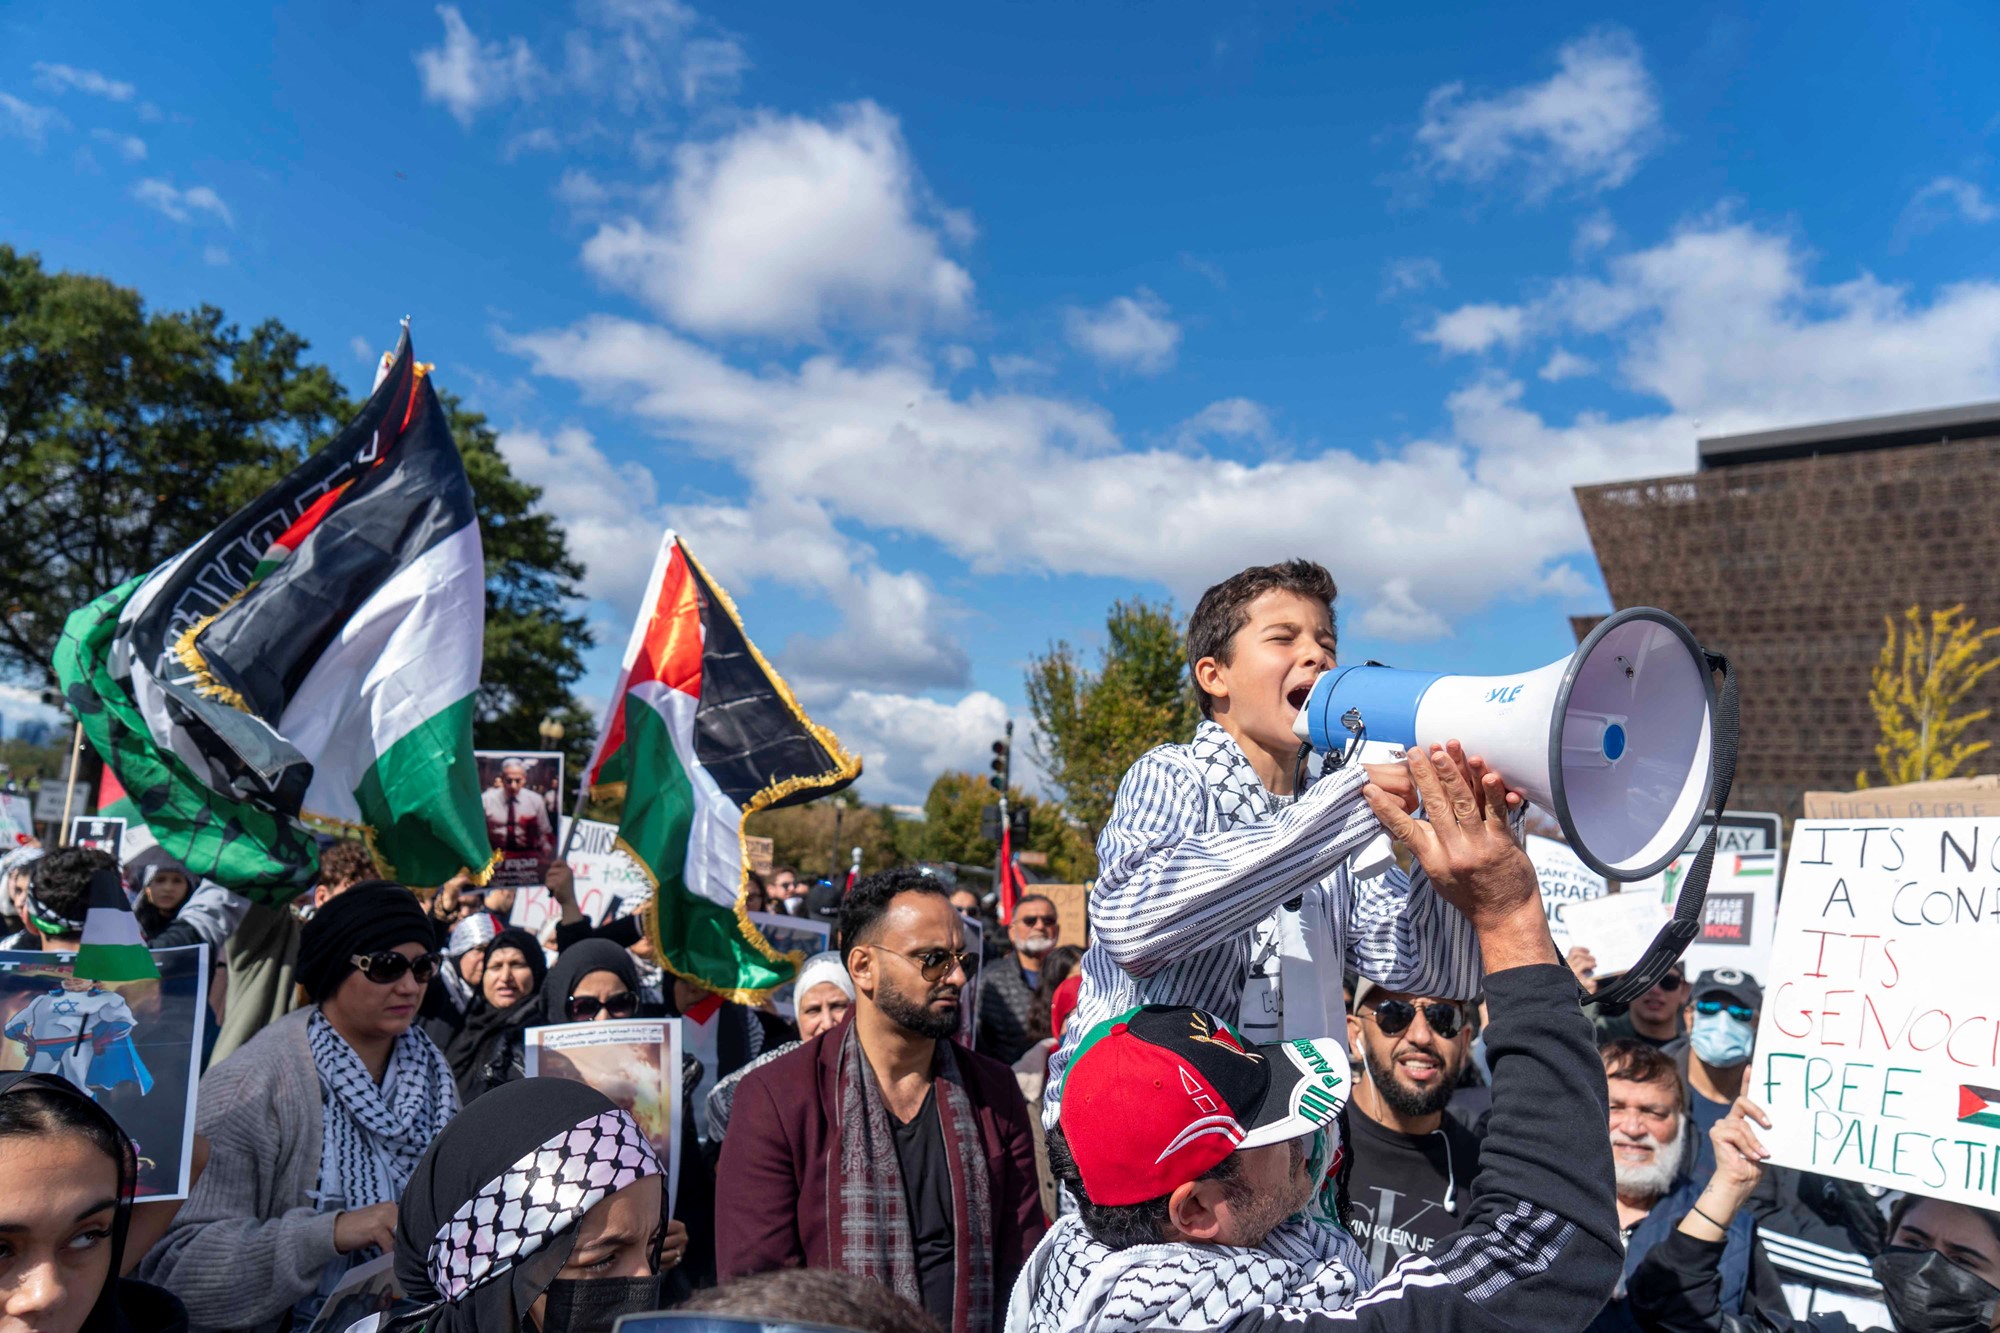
(1878, 1053)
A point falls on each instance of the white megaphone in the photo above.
(1613, 740)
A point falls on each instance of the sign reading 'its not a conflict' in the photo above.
(1878, 1052)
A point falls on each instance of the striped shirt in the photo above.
(1181, 897)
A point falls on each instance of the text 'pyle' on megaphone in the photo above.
(1614, 740)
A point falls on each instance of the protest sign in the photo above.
(760, 852)
(1617, 928)
(105, 835)
(17, 821)
(1948, 798)
(50, 802)
(367, 1290)
(1565, 881)
(520, 792)
(134, 1046)
(792, 934)
(1878, 1053)
(1738, 917)
(635, 1062)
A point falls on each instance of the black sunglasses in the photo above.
(1394, 1016)
(1742, 1012)
(936, 964)
(583, 1008)
(1036, 920)
(1671, 982)
(389, 966)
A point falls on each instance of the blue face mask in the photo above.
(1721, 1040)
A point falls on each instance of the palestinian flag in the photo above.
(112, 948)
(1979, 1106)
(311, 662)
(1757, 865)
(1013, 884)
(700, 734)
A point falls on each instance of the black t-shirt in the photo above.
(927, 1190)
(1399, 1187)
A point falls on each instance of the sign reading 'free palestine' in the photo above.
(1878, 1052)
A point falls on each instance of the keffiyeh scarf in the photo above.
(1074, 1284)
(373, 1142)
(870, 1222)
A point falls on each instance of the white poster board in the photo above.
(1617, 928)
(17, 821)
(1565, 880)
(1739, 917)
(791, 934)
(636, 1062)
(1878, 1052)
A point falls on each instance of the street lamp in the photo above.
(552, 733)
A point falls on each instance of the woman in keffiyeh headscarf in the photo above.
(542, 1207)
(70, 1173)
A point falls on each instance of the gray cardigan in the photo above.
(249, 1242)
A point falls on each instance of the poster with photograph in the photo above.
(368, 1289)
(105, 835)
(17, 821)
(134, 1046)
(635, 1062)
(792, 934)
(520, 792)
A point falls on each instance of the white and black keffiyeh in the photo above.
(547, 1191)
(372, 1143)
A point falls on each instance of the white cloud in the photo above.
(25, 120)
(959, 358)
(1477, 328)
(466, 75)
(1588, 125)
(1008, 365)
(182, 205)
(1596, 232)
(1401, 276)
(68, 78)
(130, 146)
(1564, 364)
(539, 140)
(1229, 419)
(1948, 199)
(1396, 614)
(787, 226)
(905, 741)
(215, 256)
(364, 350)
(1133, 333)
(1206, 268)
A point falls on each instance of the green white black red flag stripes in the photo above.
(700, 734)
(311, 661)
(112, 947)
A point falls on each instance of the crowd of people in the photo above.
(1265, 1091)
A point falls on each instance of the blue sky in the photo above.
(936, 330)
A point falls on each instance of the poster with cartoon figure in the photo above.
(134, 1046)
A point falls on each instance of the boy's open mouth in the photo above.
(1298, 695)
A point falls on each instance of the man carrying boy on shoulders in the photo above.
(1224, 882)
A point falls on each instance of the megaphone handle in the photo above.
(1685, 927)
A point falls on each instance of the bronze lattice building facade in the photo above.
(1786, 551)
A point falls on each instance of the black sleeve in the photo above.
(624, 932)
(175, 935)
(1677, 1288)
(1540, 1246)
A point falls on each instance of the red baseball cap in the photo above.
(1159, 1095)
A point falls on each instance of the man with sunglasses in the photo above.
(1413, 1164)
(1007, 988)
(1654, 1018)
(881, 1147)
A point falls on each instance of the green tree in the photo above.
(1091, 725)
(126, 435)
(950, 830)
(1927, 670)
(805, 838)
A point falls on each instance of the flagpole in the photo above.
(69, 785)
(1001, 907)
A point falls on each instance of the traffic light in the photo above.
(1000, 764)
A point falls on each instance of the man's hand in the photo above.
(444, 903)
(361, 1227)
(1739, 1165)
(560, 881)
(1469, 852)
(673, 1246)
(1395, 779)
(1584, 963)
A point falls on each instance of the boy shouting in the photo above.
(1223, 880)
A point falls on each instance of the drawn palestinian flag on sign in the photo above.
(112, 949)
(700, 734)
(312, 661)
(1979, 1106)
(1762, 865)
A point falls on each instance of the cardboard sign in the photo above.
(1952, 798)
(1617, 928)
(1565, 881)
(635, 1062)
(761, 850)
(1878, 1052)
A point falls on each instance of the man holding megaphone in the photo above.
(1224, 879)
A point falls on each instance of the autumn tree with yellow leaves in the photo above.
(1928, 669)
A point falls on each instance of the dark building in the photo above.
(1788, 549)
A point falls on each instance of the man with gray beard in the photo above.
(1650, 1158)
(1007, 986)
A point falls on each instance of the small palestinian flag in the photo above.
(311, 662)
(1761, 865)
(1979, 1106)
(700, 734)
(112, 948)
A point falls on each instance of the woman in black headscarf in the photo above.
(70, 1173)
(482, 1044)
(542, 1207)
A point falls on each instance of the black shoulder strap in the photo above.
(1677, 934)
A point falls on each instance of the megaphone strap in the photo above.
(1685, 926)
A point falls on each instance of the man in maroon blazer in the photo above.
(882, 1147)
